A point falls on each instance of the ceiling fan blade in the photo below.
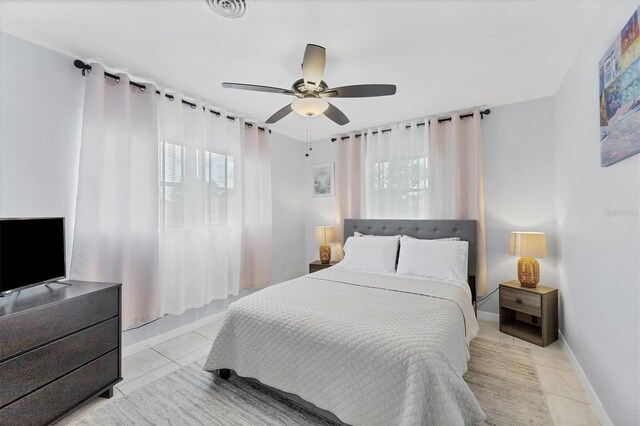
(360, 91)
(335, 115)
(280, 114)
(258, 88)
(313, 65)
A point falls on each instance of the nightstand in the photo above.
(529, 314)
(315, 266)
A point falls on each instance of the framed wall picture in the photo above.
(620, 95)
(322, 180)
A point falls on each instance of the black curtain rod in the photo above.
(408, 126)
(86, 67)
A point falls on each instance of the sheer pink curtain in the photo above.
(257, 227)
(116, 225)
(173, 201)
(349, 185)
(456, 188)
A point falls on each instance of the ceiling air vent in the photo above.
(228, 8)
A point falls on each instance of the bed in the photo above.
(359, 347)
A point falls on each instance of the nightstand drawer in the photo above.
(521, 301)
(316, 266)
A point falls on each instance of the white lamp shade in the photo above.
(527, 244)
(325, 234)
(310, 107)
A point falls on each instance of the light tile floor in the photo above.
(563, 391)
(565, 397)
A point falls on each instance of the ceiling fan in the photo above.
(311, 90)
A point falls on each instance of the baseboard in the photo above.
(161, 338)
(488, 316)
(590, 393)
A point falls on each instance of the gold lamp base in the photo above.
(325, 253)
(528, 272)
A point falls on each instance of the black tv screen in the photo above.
(31, 252)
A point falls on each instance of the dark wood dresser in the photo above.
(59, 347)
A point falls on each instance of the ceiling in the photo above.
(442, 55)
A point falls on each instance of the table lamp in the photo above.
(324, 236)
(528, 245)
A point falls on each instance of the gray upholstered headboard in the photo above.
(424, 229)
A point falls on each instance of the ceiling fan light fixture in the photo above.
(311, 89)
(310, 107)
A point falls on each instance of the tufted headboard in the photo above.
(424, 229)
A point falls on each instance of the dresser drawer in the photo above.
(29, 371)
(54, 400)
(30, 329)
(521, 301)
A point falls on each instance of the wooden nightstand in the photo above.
(315, 266)
(529, 314)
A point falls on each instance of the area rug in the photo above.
(505, 382)
(502, 377)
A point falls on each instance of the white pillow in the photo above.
(440, 260)
(360, 234)
(433, 239)
(357, 234)
(375, 254)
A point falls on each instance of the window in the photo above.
(172, 173)
(219, 181)
(397, 188)
(213, 169)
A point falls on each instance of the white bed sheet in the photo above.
(374, 349)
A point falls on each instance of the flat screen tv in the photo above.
(31, 252)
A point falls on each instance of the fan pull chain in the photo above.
(308, 137)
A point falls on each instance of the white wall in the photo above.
(289, 187)
(319, 210)
(519, 182)
(41, 97)
(598, 253)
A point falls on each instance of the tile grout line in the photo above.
(563, 396)
(555, 368)
(566, 397)
(532, 350)
(162, 355)
(187, 354)
(546, 400)
(190, 354)
(145, 374)
(202, 335)
(586, 404)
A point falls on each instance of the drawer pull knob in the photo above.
(518, 300)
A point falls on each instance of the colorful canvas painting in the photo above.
(620, 96)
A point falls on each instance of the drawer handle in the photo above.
(518, 300)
